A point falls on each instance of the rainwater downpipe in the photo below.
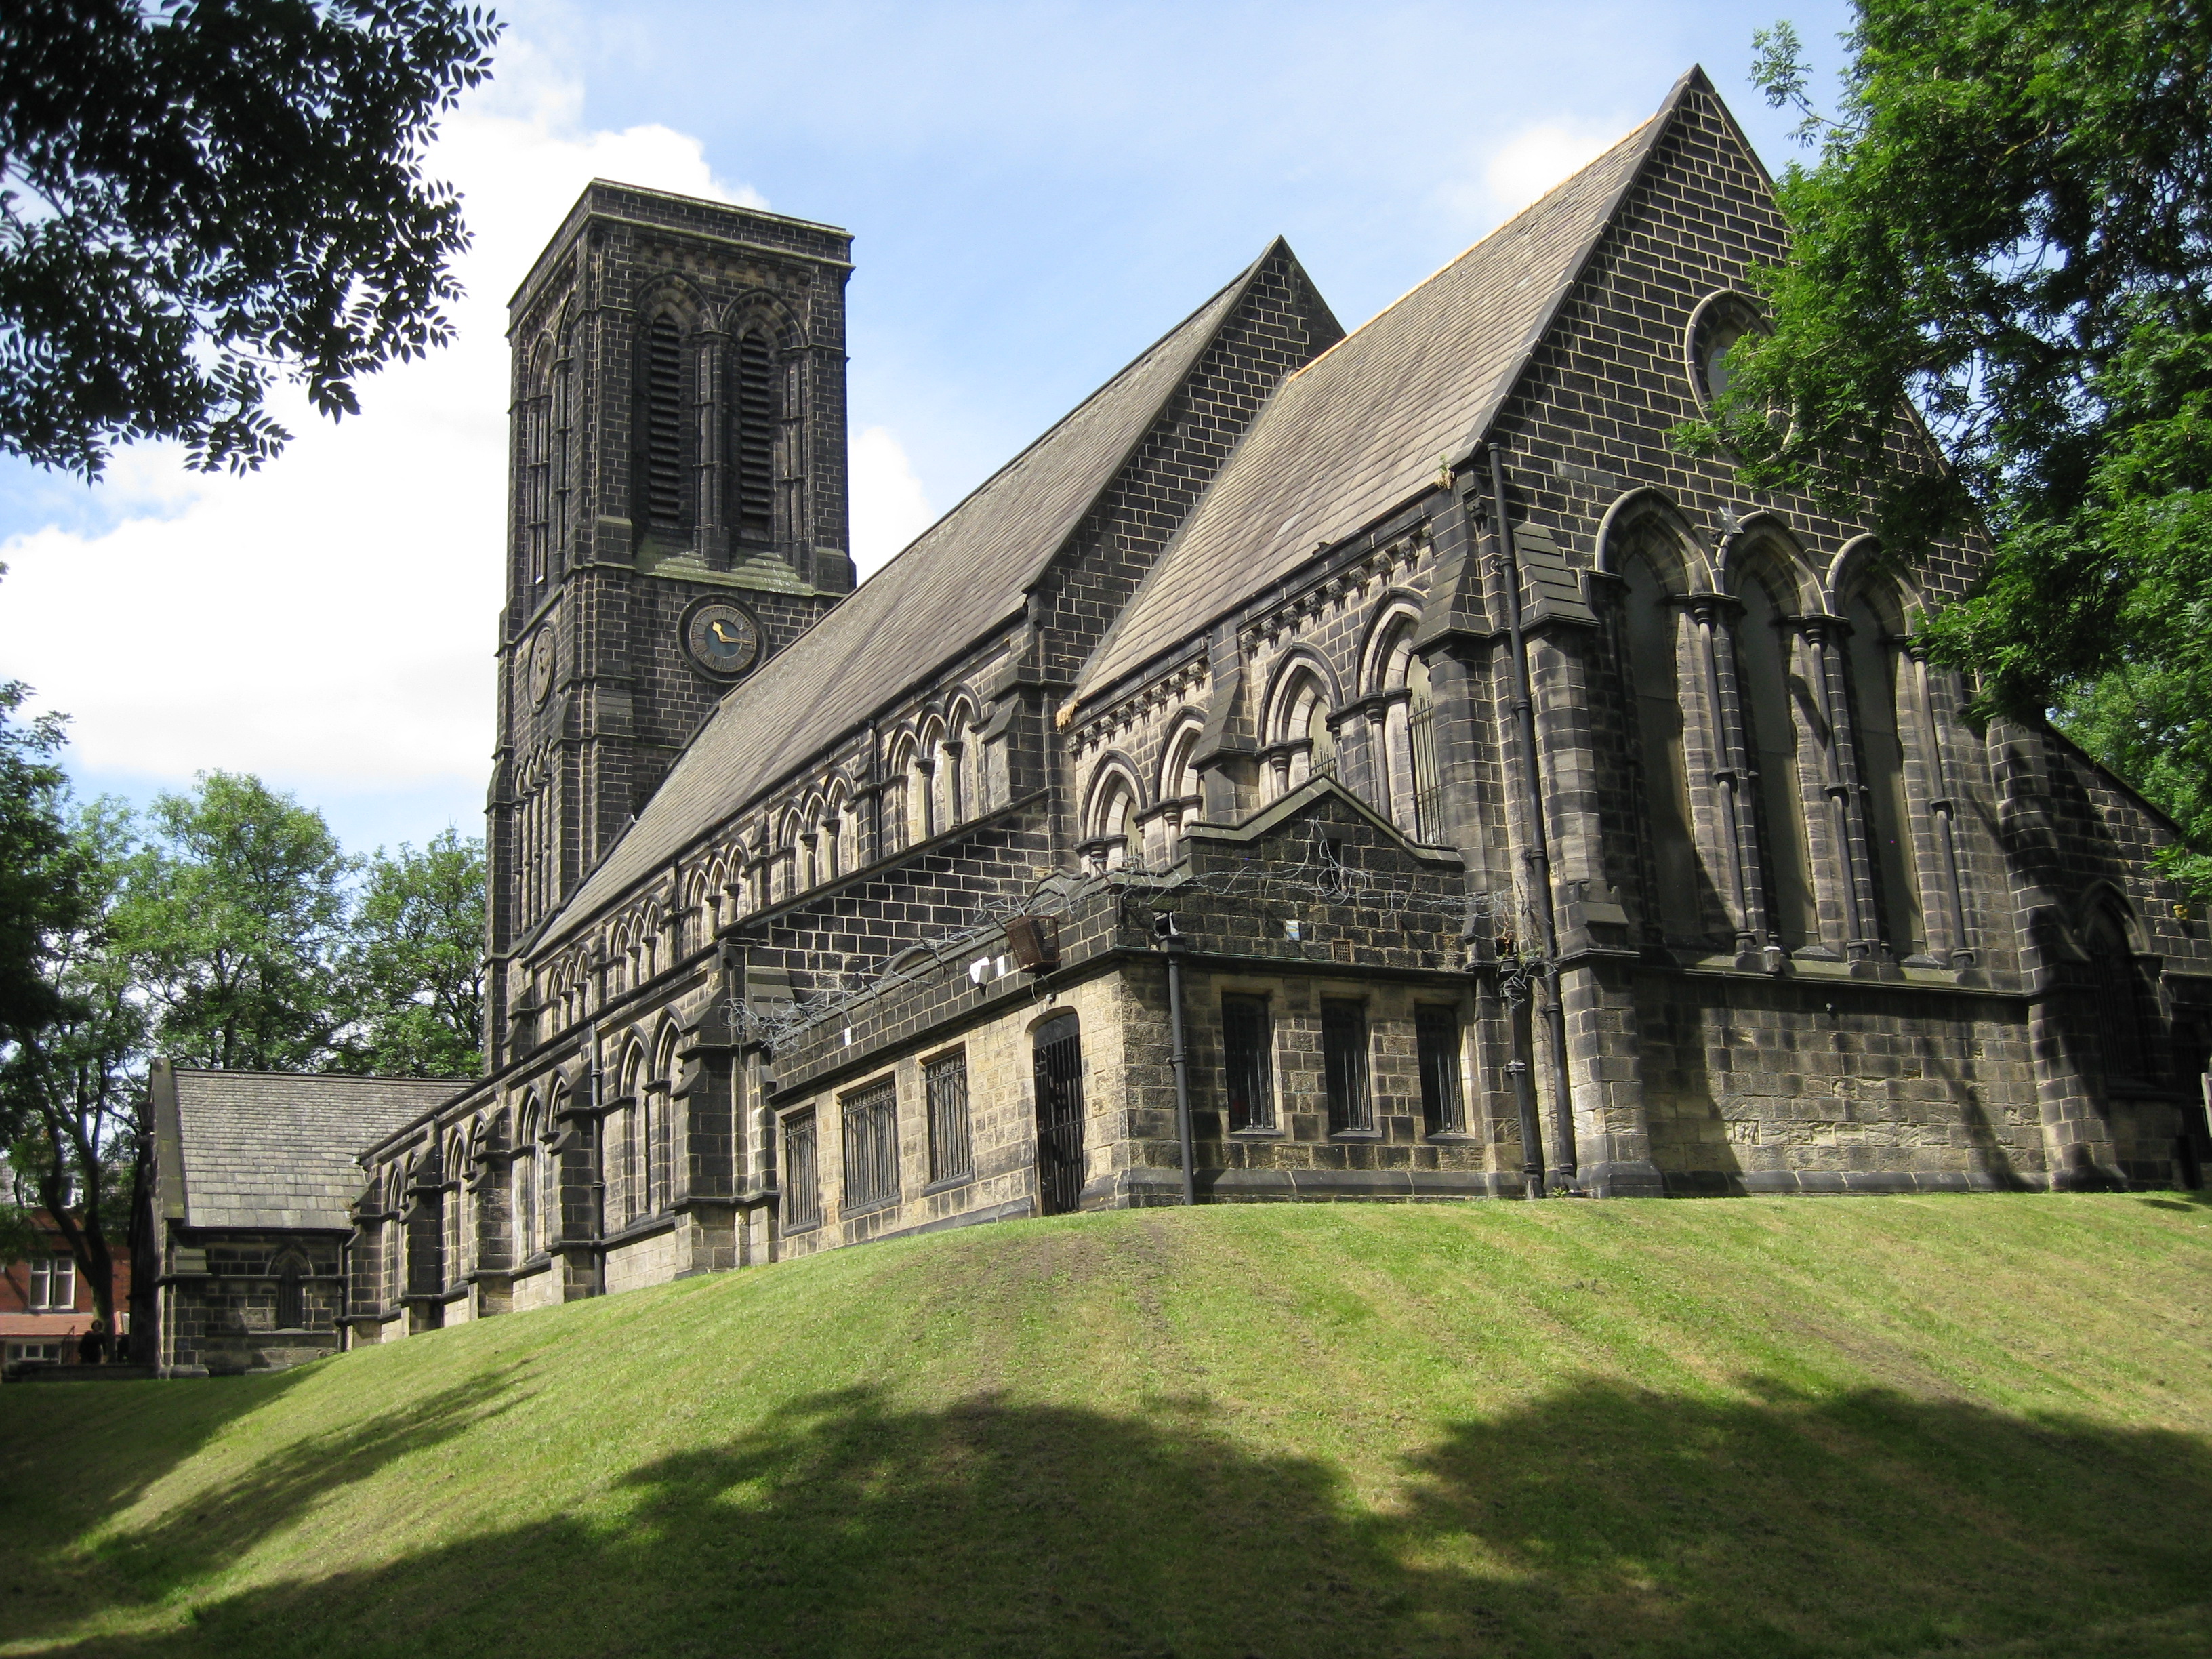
(597, 1131)
(1175, 945)
(1539, 855)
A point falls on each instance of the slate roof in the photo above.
(273, 1148)
(1358, 432)
(957, 581)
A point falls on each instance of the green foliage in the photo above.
(196, 196)
(2008, 238)
(240, 903)
(76, 1085)
(1739, 1429)
(36, 877)
(414, 963)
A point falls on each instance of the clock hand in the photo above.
(721, 631)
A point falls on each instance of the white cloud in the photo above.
(889, 507)
(329, 621)
(1538, 157)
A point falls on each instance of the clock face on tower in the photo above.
(721, 637)
(541, 663)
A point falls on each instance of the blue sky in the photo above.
(1037, 191)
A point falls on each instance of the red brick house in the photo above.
(47, 1304)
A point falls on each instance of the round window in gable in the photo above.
(1720, 320)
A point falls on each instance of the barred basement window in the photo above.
(664, 424)
(1436, 1033)
(1344, 1067)
(754, 446)
(802, 1178)
(950, 1154)
(1246, 1061)
(871, 1172)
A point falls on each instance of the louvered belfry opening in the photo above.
(758, 410)
(664, 424)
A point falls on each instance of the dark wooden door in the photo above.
(1059, 1116)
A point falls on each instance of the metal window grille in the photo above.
(950, 1153)
(1344, 1065)
(1436, 1033)
(1246, 1061)
(1428, 793)
(1059, 1076)
(757, 414)
(802, 1177)
(872, 1171)
(663, 421)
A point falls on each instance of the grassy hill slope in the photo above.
(1746, 1427)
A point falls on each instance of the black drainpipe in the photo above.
(1539, 856)
(1178, 1056)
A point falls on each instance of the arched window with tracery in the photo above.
(1650, 622)
(1880, 703)
(1763, 658)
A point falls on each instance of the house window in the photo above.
(950, 1154)
(1344, 1067)
(1247, 1062)
(802, 1177)
(1435, 1041)
(871, 1173)
(53, 1283)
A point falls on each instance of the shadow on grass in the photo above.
(224, 1521)
(1596, 1521)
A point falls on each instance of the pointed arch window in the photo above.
(1650, 621)
(527, 1172)
(538, 463)
(664, 424)
(2116, 996)
(1879, 724)
(1762, 654)
(757, 414)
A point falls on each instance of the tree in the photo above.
(239, 901)
(198, 196)
(76, 1082)
(36, 889)
(415, 961)
(2008, 238)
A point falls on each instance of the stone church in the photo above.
(1324, 765)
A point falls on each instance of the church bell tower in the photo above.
(676, 515)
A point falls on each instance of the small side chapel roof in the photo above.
(275, 1148)
(960, 578)
(1358, 432)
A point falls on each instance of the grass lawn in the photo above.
(1779, 1428)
